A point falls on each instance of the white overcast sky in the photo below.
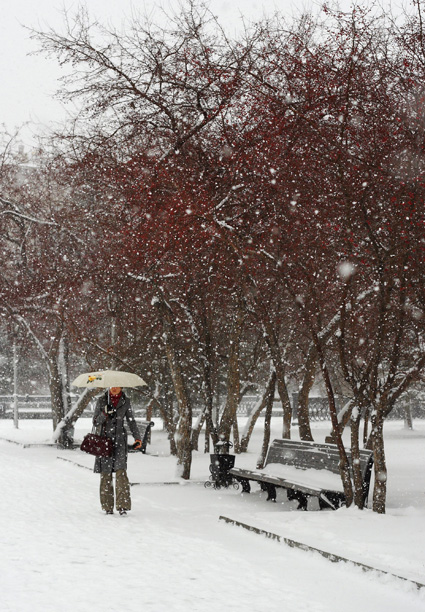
(28, 83)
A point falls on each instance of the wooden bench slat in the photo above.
(281, 482)
(310, 454)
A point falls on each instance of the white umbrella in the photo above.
(108, 378)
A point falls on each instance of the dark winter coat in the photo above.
(113, 427)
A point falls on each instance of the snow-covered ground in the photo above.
(59, 552)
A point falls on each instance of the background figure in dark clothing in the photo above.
(111, 410)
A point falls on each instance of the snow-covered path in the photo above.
(60, 553)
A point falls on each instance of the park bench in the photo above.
(145, 433)
(305, 470)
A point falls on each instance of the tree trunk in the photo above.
(56, 366)
(196, 431)
(170, 426)
(380, 488)
(57, 377)
(236, 439)
(408, 423)
(307, 384)
(278, 364)
(343, 418)
(15, 386)
(184, 428)
(207, 439)
(269, 392)
(81, 404)
(365, 427)
(64, 370)
(267, 425)
(66, 438)
(344, 465)
(56, 392)
(66, 424)
(209, 394)
(355, 458)
(233, 377)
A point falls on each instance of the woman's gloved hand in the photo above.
(137, 445)
(110, 410)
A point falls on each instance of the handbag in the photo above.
(100, 446)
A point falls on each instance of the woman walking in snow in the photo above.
(111, 410)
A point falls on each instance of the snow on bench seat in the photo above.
(305, 469)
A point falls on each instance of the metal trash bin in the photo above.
(221, 463)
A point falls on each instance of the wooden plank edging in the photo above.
(329, 556)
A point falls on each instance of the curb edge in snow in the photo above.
(132, 484)
(329, 556)
(28, 444)
(85, 467)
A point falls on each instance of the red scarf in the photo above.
(114, 399)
